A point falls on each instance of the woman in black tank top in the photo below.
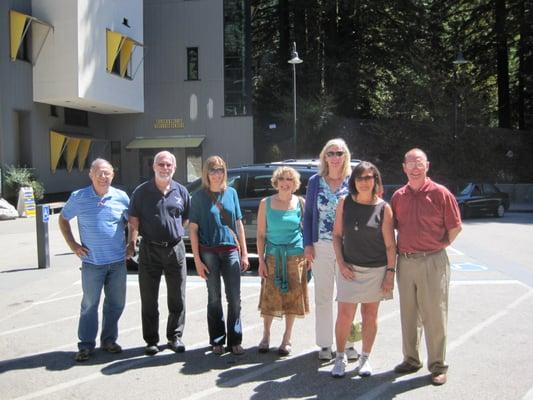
(365, 249)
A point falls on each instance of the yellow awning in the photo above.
(56, 149)
(71, 147)
(19, 24)
(72, 152)
(83, 152)
(122, 46)
(166, 142)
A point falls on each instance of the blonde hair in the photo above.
(289, 171)
(212, 162)
(323, 169)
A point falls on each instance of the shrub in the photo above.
(17, 177)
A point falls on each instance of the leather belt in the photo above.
(163, 244)
(419, 254)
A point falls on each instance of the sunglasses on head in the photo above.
(335, 153)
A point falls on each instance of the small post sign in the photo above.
(26, 202)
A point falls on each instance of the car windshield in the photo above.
(466, 190)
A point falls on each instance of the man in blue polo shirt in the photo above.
(102, 214)
(158, 210)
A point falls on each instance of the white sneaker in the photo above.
(339, 367)
(365, 369)
(325, 354)
(351, 353)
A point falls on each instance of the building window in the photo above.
(192, 63)
(76, 117)
(236, 53)
(194, 163)
(53, 111)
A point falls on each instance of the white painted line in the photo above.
(122, 331)
(134, 362)
(528, 395)
(377, 393)
(453, 251)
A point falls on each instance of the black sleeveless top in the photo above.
(363, 242)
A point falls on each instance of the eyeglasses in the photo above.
(285, 178)
(366, 178)
(214, 171)
(103, 174)
(417, 164)
(163, 165)
(335, 153)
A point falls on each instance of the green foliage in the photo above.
(391, 63)
(17, 177)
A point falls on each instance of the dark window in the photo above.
(192, 63)
(236, 51)
(25, 46)
(53, 111)
(76, 117)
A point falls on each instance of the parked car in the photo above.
(252, 183)
(482, 199)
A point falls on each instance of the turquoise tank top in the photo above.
(283, 238)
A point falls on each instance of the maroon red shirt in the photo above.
(424, 217)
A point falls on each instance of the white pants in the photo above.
(324, 268)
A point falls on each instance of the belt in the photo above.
(419, 254)
(162, 244)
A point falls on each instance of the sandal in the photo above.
(237, 350)
(284, 349)
(218, 349)
(264, 346)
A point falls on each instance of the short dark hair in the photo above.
(358, 171)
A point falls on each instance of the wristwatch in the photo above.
(391, 269)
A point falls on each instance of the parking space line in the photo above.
(378, 391)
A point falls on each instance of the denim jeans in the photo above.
(226, 265)
(112, 278)
(153, 262)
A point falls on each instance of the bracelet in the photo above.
(391, 269)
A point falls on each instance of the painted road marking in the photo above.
(468, 267)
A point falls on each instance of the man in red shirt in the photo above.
(428, 220)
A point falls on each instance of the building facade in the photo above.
(123, 79)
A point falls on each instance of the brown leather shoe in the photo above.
(406, 368)
(438, 378)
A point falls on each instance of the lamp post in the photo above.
(458, 62)
(294, 60)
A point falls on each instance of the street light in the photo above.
(458, 62)
(294, 60)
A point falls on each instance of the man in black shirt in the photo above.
(158, 210)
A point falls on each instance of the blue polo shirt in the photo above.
(160, 215)
(101, 223)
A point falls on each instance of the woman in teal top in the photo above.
(281, 262)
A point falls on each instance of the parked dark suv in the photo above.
(252, 183)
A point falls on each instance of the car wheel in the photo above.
(500, 211)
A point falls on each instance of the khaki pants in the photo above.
(423, 284)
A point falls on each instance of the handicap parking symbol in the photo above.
(468, 266)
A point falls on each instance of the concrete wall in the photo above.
(72, 64)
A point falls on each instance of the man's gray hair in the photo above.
(167, 154)
(99, 161)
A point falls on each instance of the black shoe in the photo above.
(406, 368)
(176, 345)
(112, 348)
(82, 355)
(151, 350)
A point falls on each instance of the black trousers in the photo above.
(153, 262)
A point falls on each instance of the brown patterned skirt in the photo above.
(296, 301)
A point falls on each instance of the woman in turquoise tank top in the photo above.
(281, 262)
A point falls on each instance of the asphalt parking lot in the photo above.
(489, 343)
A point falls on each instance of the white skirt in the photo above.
(366, 288)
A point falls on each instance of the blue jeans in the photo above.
(226, 265)
(112, 278)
